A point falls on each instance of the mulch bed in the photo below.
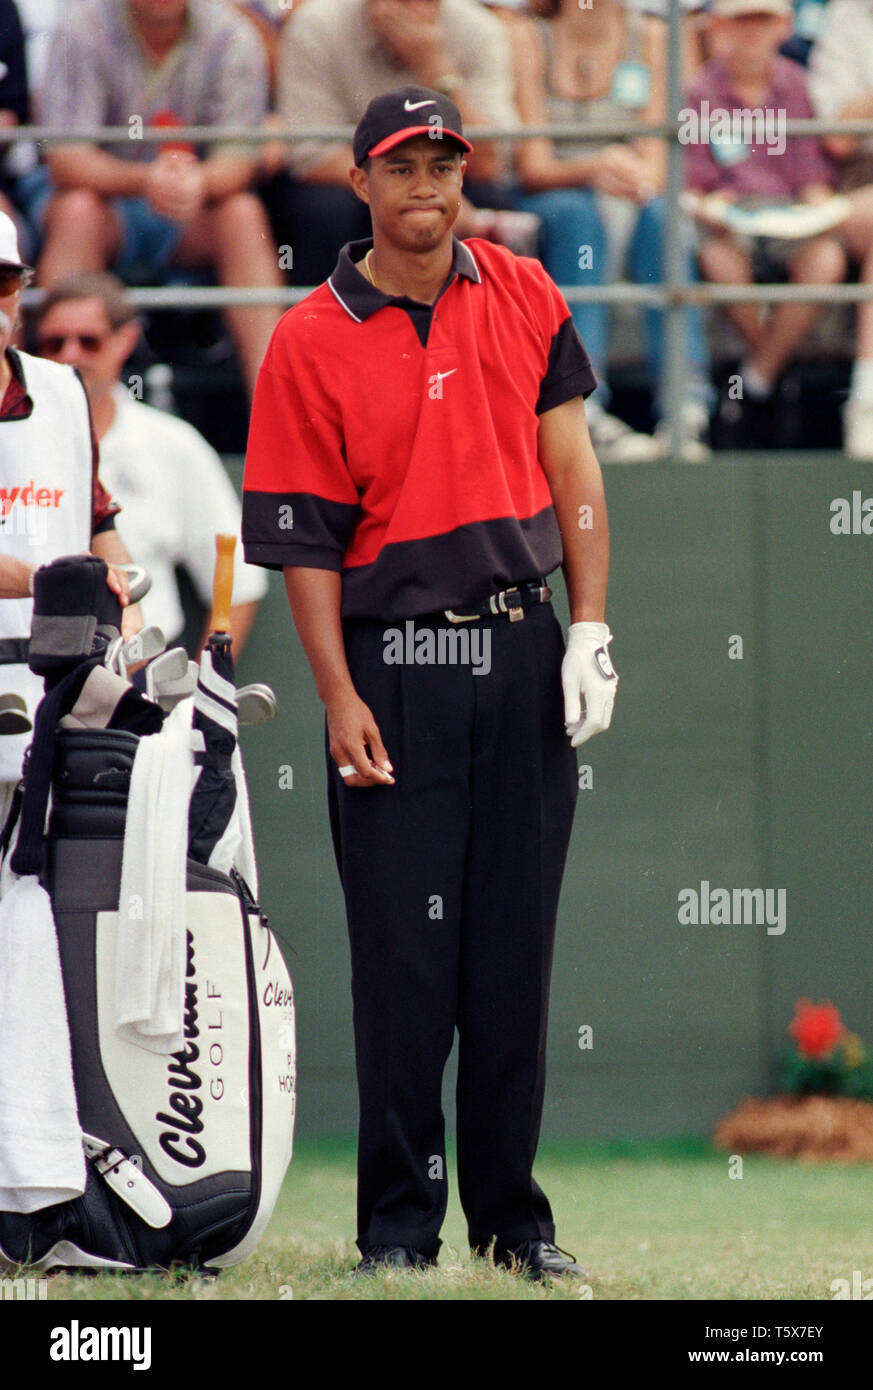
(812, 1129)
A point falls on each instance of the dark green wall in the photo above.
(746, 773)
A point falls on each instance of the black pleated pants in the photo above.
(451, 880)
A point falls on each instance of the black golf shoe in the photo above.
(380, 1258)
(538, 1259)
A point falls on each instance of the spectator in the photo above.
(749, 73)
(171, 484)
(599, 202)
(334, 57)
(14, 106)
(841, 84)
(138, 207)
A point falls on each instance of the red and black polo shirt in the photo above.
(397, 441)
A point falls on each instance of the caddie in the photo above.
(51, 503)
(418, 452)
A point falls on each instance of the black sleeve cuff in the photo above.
(275, 557)
(568, 372)
(107, 524)
(581, 383)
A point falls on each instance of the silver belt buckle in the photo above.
(514, 611)
(454, 617)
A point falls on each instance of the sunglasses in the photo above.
(89, 342)
(11, 280)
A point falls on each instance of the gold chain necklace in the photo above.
(368, 270)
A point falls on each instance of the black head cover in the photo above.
(75, 614)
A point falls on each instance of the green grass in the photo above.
(656, 1221)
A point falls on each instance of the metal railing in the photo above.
(672, 295)
(261, 135)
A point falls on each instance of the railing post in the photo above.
(674, 366)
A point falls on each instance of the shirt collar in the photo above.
(360, 299)
(17, 366)
(23, 404)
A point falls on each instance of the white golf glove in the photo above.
(587, 674)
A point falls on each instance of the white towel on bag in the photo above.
(150, 956)
(41, 1157)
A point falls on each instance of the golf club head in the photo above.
(169, 691)
(144, 645)
(139, 579)
(168, 666)
(255, 704)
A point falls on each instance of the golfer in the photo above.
(418, 464)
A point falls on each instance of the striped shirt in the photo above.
(99, 72)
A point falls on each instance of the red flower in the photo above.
(816, 1028)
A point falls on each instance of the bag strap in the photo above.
(27, 856)
(128, 1181)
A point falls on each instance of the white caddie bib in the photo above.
(45, 508)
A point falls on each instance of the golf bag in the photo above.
(186, 1152)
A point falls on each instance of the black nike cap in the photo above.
(399, 115)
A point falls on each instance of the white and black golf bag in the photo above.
(186, 1153)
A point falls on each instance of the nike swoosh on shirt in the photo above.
(414, 105)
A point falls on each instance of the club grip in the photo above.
(222, 583)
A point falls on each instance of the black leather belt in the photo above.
(13, 651)
(511, 602)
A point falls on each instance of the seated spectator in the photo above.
(334, 57)
(841, 85)
(599, 202)
(172, 486)
(143, 208)
(749, 73)
(14, 105)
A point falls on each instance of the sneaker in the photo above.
(695, 425)
(538, 1259)
(380, 1258)
(858, 428)
(616, 442)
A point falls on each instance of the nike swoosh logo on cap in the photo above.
(414, 105)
